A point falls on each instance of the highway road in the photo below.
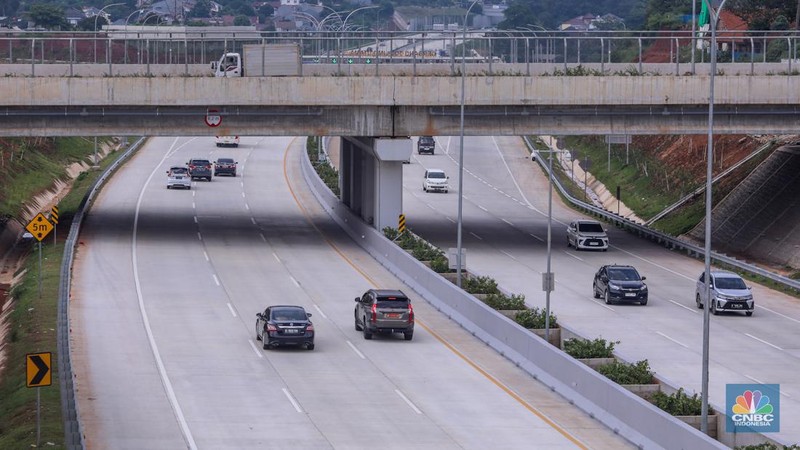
(505, 233)
(166, 286)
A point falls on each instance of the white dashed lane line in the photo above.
(294, 281)
(570, 254)
(262, 237)
(508, 222)
(673, 340)
(291, 399)
(694, 311)
(360, 355)
(476, 236)
(206, 256)
(536, 237)
(763, 341)
(481, 207)
(216, 280)
(199, 236)
(405, 399)
(230, 307)
(253, 219)
(255, 349)
(320, 311)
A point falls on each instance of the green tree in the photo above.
(9, 7)
(87, 23)
(266, 10)
(240, 21)
(48, 16)
(201, 9)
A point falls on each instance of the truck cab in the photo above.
(228, 66)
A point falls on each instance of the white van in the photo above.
(435, 180)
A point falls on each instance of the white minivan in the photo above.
(728, 293)
(435, 180)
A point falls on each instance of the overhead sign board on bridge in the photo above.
(618, 139)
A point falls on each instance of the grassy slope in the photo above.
(33, 321)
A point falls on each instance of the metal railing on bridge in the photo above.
(559, 52)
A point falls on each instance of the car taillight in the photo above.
(410, 313)
(310, 328)
(271, 327)
(191, 166)
(374, 313)
(208, 166)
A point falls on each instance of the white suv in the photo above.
(587, 234)
(435, 180)
(728, 293)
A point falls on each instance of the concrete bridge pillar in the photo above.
(371, 177)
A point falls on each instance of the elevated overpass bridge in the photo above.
(160, 84)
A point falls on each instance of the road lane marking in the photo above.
(479, 238)
(535, 411)
(206, 256)
(232, 311)
(693, 310)
(276, 257)
(360, 355)
(405, 399)
(255, 349)
(506, 221)
(320, 311)
(450, 219)
(673, 340)
(294, 281)
(508, 254)
(199, 236)
(291, 399)
(262, 237)
(247, 207)
(570, 254)
(481, 207)
(777, 313)
(216, 280)
(241, 183)
(601, 303)
(194, 206)
(195, 219)
(763, 341)
(243, 196)
(430, 206)
(536, 237)
(253, 219)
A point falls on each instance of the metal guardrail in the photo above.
(666, 240)
(73, 429)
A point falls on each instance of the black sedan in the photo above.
(619, 284)
(285, 325)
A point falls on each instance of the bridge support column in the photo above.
(371, 178)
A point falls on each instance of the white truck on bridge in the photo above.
(257, 60)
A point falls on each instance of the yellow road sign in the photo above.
(39, 226)
(37, 369)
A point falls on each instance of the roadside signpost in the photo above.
(38, 374)
(54, 221)
(213, 119)
(39, 227)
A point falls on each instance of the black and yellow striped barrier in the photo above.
(401, 224)
(54, 215)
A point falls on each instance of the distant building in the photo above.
(589, 22)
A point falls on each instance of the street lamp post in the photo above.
(344, 28)
(138, 11)
(95, 26)
(709, 159)
(461, 147)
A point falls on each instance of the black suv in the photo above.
(199, 168)
(225, 166)
(384, 311)
(619, 283)
(285, 325)
(426, 144)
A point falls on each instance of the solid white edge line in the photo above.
(320, 311)
(570, 254)
(695, 311)
(255, 349)
(673, 340)
(763, 341)
(291, 399)
(414, 407)
(232, 311)
(360, 355)
(216, 280)
(162, 370)
(480, 238)
(536, 237)
(294, 281)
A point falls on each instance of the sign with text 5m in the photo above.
(39, 227)
(752, 408)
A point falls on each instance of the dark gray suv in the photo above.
(199, 168)
(384, 311)
(426, 144)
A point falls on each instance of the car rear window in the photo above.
(392, 302)
(225, 161)
(288, 314)
(178, 171)
(590, 227)
(730, 283)
(199, 162)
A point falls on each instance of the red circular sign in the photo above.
(213, 119)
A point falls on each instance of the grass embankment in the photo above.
(33, 321)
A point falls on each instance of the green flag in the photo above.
(703, 18)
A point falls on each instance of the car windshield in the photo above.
(392, 302)
(436, 175)
(284, 314)
(730, 283)
(225, 161)
(623, 274)
(590, 227)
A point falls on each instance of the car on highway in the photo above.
(225, 166)
(435, 180)
(426, 144)
(226, 141)
(384, 311)
(178, 177)
(282, 325)
(199, 169)
(584, 234)
(619, 283)
(729, 292)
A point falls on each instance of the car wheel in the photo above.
(408, 336)
(355, 319)
(697, 300)
(266, 346)
(607, 297)
(423, 189)
(643, 302)
(595, 294)
(748, 313)
(569, 243)
(367, 333)
(445, 191)
(310, 347)
(258, 336)
(714, 308)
